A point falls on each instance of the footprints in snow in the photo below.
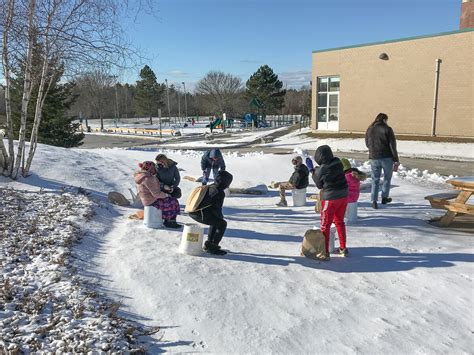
(198, 344)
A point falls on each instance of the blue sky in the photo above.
(188, 38)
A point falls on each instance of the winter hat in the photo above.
(214, 153)
(297, 160)
(146, 165)
(346, 164)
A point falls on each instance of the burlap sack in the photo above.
(313, 243)
(118, 199)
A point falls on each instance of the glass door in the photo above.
(327, 101)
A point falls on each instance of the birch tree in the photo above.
(71, 35)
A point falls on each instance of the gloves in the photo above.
(309, 163)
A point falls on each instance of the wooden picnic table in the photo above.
(456, 203)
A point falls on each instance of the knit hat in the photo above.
(146, 165)
(297, 160)
(346, 165)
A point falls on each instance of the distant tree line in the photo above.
(99, 95)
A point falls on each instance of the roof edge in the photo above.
(396, 40)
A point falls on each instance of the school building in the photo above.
(424, 84)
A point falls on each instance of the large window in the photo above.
(328, 98)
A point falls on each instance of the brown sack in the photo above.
(117, 199)
(313, 243)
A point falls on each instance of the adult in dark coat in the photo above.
(330, 179)
(383, 155)
(210, 212)
(212, 160)
(168, 174)
(298, 180)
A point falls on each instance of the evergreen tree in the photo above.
(148, 94)
(264, 91)
(56, 128)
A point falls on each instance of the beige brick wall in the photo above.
(403, 86)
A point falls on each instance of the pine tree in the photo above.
(148, 94)
(56, 128)
(264, 90)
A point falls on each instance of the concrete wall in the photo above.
(403, 86)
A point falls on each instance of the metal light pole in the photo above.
(185, 101)
(179, 105)
(168, 96)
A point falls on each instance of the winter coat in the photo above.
(329, 177)
(381, 141)
(299, 179)
(208, 162)
(148, 187)
(211, 205)
(353, 178)
(169, 176)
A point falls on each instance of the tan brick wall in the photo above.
(467, 15)
(403, 86)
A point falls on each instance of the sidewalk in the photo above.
(443, 167)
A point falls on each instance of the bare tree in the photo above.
(223, 90)
(95, 89)
(69, 35)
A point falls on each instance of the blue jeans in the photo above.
(385, 164)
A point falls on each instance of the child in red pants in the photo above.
(330, 179)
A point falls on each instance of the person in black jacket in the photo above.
(298, 180)
(211, 160)
(330, 179)
(168, 174)
(383, 155)
(210, 212)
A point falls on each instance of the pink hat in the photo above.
(146, 165)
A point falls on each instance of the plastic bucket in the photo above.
(152, 217)
(351, 213)
(299, 197)
(191, 239)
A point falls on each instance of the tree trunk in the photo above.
(42, 92)
(8, 157)
(27, 87)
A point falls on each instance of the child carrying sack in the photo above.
(195, 198)
(313, 244)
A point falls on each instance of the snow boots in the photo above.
(212, 248)
(386, 200)
(282, 203)
(171, 223)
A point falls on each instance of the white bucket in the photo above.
(351, 213)
(191, 240)
(152, 217)
(299, 197)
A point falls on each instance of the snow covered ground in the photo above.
(407, 286)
